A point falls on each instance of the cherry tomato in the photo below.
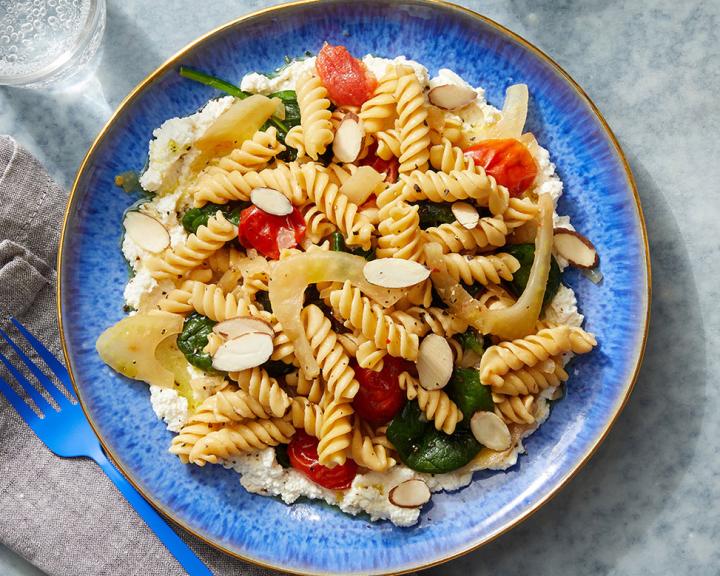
(303, 455)
(268, 233)
(380, 397)
(390, 167)
(348, 81)
(508, 161)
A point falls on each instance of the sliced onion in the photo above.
(517, 320)
(291, 276)
(514, 115)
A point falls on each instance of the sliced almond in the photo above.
(490, 430)
(271, 201)
(575, 248)
(466, 214)
(146, 232)
(410, 494)
(434, 362)
(348, 139)
(395, 272)
(362, 184)
(247, 351)
(451, 96)
(236, 327)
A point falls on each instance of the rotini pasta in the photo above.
(317, 130)
(253, 154)
(456, 238)
(264, 388)
(412, 122)
(336, 433)
(435, 404)
(485, 270)
(367, 452)
(379, 112)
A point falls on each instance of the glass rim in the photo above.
(83, 39)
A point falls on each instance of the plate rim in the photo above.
(629, 385)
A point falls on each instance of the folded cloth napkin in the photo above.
(62, 515)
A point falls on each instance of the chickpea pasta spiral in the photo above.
(349, 265)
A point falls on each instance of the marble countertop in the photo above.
(649, 500)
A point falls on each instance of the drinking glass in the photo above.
(44, 42)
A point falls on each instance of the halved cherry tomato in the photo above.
(303, 455)
(380, 397)
(347, 80)
(507, 160)
(390, 167)
(268, 233)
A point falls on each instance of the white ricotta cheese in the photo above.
(173, 140)
(285, 80)
(170, 407)
(138, 287)
(378, 66)
(547, 181)
(563, 308)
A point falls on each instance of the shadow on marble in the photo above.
(616, 501)
(128, 55)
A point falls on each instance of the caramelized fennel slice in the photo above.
(517, 320)
(290, 278)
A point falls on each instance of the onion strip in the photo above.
(291, 276)
(513, 322)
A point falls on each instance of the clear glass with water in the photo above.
(44, 42)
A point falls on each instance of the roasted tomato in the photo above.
(508, 161)
(348, 81)
(389, 167)
(380, 397)
(268, 233)
(303, 455)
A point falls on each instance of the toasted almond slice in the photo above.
(490, 430)
(348, 139)
(395, 272)
(362, 184)
(451, 96)
(434, 362)
(575, 248)
(410, 494)
(271, 201)
(246, 351)
(239, 325)
(466, 214)
(146, 232)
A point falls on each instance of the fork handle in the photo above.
(177, 547)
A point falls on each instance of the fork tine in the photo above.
(16, 402)
(48, 357)
(41, 377)
(38, 398)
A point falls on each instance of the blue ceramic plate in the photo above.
(309, 537)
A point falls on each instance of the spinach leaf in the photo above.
(263, 298)
(196, 217)
(337, 244)
(471, 340)
(292, 118)
(438, 453)
(288, 60)
(425, 449)
(525, 253)
(432, 214)
(468, 393)
(212, 81)
(281, 455)
(194, 338)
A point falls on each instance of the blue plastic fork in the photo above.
(67, 433)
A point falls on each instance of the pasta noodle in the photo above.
(533, 380)
(229, 406)
(197, 248)
(306, 416)
(336, 433)
(435, 404)
(515, 409)
(366, 452)
(378, 113)
(264, 388)
(456, 238)
(253, 154)
(412, 122)
(485, 270)
(315, 115)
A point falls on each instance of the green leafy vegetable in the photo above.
(263, 298)
(337, 244)
(281, 455)
(425, 449)
(288, 60)
(525, 254)
(213, 81)
(468, 393)
(196, 217)
(292, 118)
(194, 338)
(432, 214)
(471, 340)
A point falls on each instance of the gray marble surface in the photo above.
(649, 501)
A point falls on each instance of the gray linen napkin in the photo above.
(62, 515)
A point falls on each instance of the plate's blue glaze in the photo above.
(310, 537)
